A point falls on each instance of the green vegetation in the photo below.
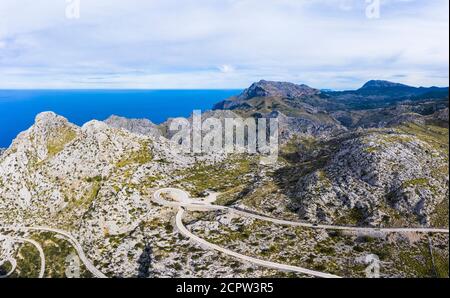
(115, 240)
(420, 183)
(78, 204)
(323, 178)
(94, 179)
(151, 181)
(441, 264)
(64, 135)
(437, 137)
(218, 177)
(353, 217)
(393, 217)
(142, 156)
(28, 261)
(440, 216)
(325, 249)
(310, 154)
(5, 268)
(383, 252)
(372, 149)
(393, 138)
(269, 104)
(415, 182)
(259, 198)
(56, 250)
(92, 195)
(421, 265)
(143, 186)
(340, 253)
(227, 198)
(296, 147)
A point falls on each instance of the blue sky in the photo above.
(159, 44)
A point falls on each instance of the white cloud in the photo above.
(226, 68)
(200, 43)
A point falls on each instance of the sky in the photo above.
(221, 44)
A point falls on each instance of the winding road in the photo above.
(13, 263)
(89, 266)
(273, 265)
(35, 244)
(181, 200)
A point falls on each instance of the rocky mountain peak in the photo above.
(441, 115)
(46, 136)
(45, 116)
(115, 120)
(49, 119)
(138, 126)
(94, 126)
(277, 89)
(379, 84)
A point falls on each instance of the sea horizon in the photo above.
(19, 107)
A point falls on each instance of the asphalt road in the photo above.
(89, 266)
(183, 200)
(273, 265)
(178, 198)
(36, 245)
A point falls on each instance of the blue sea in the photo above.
(18, 108)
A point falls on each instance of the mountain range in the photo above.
(373, 157)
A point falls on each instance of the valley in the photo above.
(359, 173)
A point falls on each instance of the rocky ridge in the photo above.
(96, 182)
(376, 178)
(138, 126)
(277, 89)
(380, 167)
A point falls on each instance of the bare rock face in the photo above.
(55, 165)
(314, 124)
(95, 182)
(277, 89)
(287, 93)
(380, 84)
(374, 179)
(48, 165)
(138, 126)
(393, 116)
(217, 114)
(441, 115)
(407, 118)
(383, 166)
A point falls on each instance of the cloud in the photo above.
(226, 68)
(201, 43)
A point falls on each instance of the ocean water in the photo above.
(18, 108)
